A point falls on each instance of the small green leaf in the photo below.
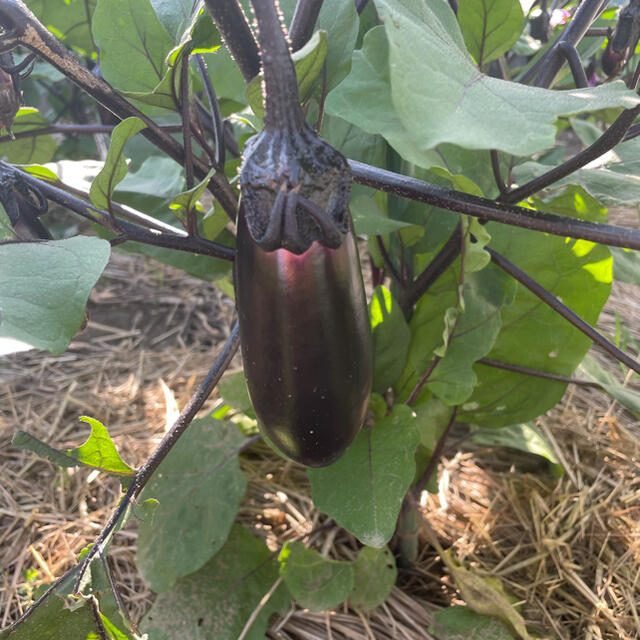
(391, 337)
(375, 574)
(315, 582)
(462, 623)
(199, 486)
(490, 27)
(233, 389)
(363, 490)
(44, 287)
(115, 166)
(216, 602)
(187, 200)
(308, 62)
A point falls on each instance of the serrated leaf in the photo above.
(133, 44)
(44, 287)
(115, 166)
(203, 465)
(315, 582)
(462, 623)
(363, 490)
(308, 63)
(375, 574)
(524, 437)
(390, 336)
(490, 27)
(215, 602)
(98, 452)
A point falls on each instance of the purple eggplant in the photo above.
(304, 327)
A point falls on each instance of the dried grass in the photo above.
(568, 550)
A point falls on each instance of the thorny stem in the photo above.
(483, 208)
(562, 309)
(27, 30)
(170, 239)
(145, 472)
(303, 22)
(237, 35)
(216, 117)
(282, 104)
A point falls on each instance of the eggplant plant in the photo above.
(435, 139)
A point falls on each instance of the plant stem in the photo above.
(237, 35)
(483, 208)
(145, 472)
(303, 22)
(489, 362)
(495, 167)
(168, 239)
(575, 64)
(80, 129)
(216, 117)
(562, 309)
(388, 265)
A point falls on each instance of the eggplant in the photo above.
(304, 326)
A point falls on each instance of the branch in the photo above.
(174, 239)
(303, 22)
(237, 35)
(575, 64)
(25, 29)
(563, 310)
(421, 191)
(617, 132)
(536, 373)
(145, 472)
(388, 265)
(216, 117)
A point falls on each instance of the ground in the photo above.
(568, 550)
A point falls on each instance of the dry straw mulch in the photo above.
(568, 550)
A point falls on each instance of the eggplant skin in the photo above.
(306, 344)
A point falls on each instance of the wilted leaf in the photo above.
(462, 623)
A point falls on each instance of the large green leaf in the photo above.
(435, 83)
(44, 287)
(133, 44)
(363, 490)
(176, 16)
(576, 271)
(469, 334)
(391, 337)
(215, 602)
(315, 582)
(490, 27)
(115, 166)
(375, 574)
(199, 486)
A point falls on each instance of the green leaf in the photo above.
(375, 574)
(233, 389)
(44, 287)
(430, 79)
(576, 271)
(363, 490)
(115, 166)
(6, 228)
(98, 452)
(490, 27)
(199, 486)
(133, 44)
(391, 337)
(573, 202)
(215, 602)
(626, 396)
(188, 200)
(37, 149)
(469, 333)
(626, 265)
(158, 176)
(177, 16)
(369, 219)
(308, 63)
(462, 623)
(523, 437)
(315, 582)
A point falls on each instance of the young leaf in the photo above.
(316, 583)
(98, 452)
(199, 486)
(308, 62)
(363, 490)
(133, 44)
(215, 602)
(457, 622)
(115, 166)
(391, 337)
(490, 28)
(375, 574)
(187, 200)
(44, 287)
